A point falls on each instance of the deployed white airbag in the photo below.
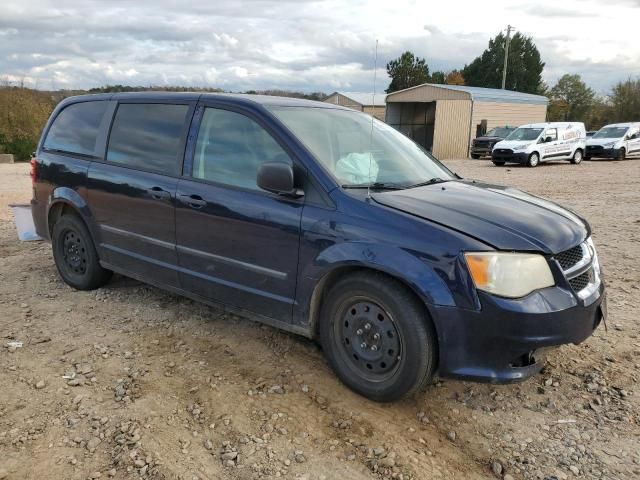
(357, 168)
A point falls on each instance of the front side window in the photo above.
(552, 134)
(231, 147)
(358, 150)
(148, 136)
(76, 128)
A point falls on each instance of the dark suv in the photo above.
(482, 146)
(321, 221)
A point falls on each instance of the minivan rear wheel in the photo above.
(75, 254)
(377, 337)
(577, 157)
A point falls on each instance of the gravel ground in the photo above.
(129, 381)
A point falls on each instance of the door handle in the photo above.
(159, 194)
(194, 201)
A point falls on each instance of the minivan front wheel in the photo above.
(377, 337)
(533, 160)
(75, 254)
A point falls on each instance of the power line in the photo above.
(506, 56)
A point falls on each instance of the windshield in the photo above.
(356, 151)
(525, 134)
(611, 132)
(501, 132)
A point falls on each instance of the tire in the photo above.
(475, 156)
(533, 160)
(401, 360)
(622, 154)
(498, 163)
(75, 254)
(577, 157)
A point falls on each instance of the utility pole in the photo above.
(506, 56)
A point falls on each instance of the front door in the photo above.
(236, 243)
(132, 193)
(633, 142)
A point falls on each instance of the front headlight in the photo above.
(509, 275)
(521, 148)
(608, 145)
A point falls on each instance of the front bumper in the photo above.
(482, 151)
(506, 340)
(510, 157)
(601, 152)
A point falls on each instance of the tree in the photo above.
(438, 77)
(575, 96)
(407, 71)
(625, 100)
(454, 77)
(524, 71)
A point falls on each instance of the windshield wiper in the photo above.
(428, 182)
(375, 186)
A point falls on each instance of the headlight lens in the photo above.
(511, 275)
(521, 148)
(609, 145)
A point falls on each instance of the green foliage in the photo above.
(574, 98)
(407, 71)
(625, 100)
(23, 114)
(438, 77)
(524, 72)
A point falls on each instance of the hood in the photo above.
(504, 218)
(488, 139)
(513, 144)
(602, 141)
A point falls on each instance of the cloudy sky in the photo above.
(299, 44)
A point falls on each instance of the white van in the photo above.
(539, 142)
(615, 141)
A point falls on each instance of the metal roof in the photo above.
(480, 94)
(364, 98)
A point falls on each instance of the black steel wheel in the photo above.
(75, 254)
(368, 337)
(377, 336)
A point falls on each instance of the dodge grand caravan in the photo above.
(321, 221)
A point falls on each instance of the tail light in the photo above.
(33, 170)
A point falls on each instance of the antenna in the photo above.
(373, 106)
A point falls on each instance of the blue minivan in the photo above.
(321, 221)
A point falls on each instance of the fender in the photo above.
(69, 196)
(417, 274)
(394, 261)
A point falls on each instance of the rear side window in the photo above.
(148, 137)
(76, 128)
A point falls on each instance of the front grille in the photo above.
(482, 144)
(594, 148)
(569, 258)
(581, 281)
(504, 151)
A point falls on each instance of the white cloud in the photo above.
(298, 44)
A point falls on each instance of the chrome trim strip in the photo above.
(203, 276)
(579, 268)
(137, 236)
(232, 261)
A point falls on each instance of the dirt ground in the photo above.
(129, 381)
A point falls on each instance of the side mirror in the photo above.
(277, 177)
(548, 139)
